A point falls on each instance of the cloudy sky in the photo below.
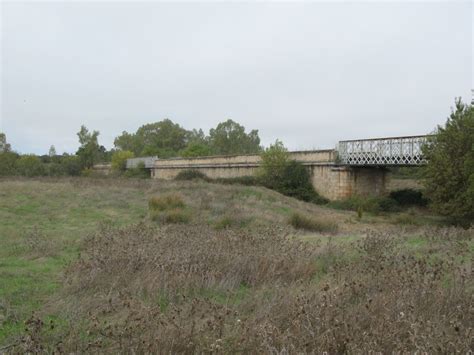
(308, 73)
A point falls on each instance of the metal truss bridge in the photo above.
(393, 151)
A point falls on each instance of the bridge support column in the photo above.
(340, 182)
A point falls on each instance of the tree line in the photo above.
(164, 139)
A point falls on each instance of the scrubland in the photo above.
(140, 266)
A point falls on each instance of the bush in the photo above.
(312, 224)
(366, 204)
(8, 163)
(229, 221)
(191, 175)
(295, 181)
(166, 202)
(409, 197)
(119, 160)
(30, 166)
(288, 177)
(139, 172)
(172, 216)
(168, 209)
(387, 204)
(70, 165)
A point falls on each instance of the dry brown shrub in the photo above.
(381, 299)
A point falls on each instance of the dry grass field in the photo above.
(140, 266)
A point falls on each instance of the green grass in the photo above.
(64, 214)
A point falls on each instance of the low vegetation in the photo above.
(168, 209)
(187, 175)
(313, 224)
(89, 271)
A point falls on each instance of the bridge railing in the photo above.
(401, 151)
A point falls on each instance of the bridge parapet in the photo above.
(394, 151)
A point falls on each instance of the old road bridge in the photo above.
(355, 167)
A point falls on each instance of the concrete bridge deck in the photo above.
(331, 180)
(356, 167)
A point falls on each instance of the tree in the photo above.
(196, 149)
(164, 139)
(449, 174)
(52, 151)
(274, 160)
(289, 177)
(89, 151)
(229, 137)
(4, 146)
(119, 160)
(129, 142)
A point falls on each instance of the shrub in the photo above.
(172, 216)
(139, 172)
(409, 197)
(70, 165)
(366, 204)
(166, 202)
(386, 204)
(191, 175)
(229, 221)
(119, 160)
(295, 181)
(30, 165)
(274, 160)
(168, 209)
(8, 163)
(312, 224)
(288, 177)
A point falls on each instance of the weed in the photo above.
(300, 221)
(170, 216)
(228, 221)
(166, 202)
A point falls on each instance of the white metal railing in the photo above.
(383, 151)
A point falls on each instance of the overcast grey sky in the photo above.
(307, 73)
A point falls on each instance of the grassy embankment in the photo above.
(234, 257)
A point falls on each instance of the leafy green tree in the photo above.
(52, 151)
(229, 137)
(89, 151)
(289, 177)
(30, 165)
(119, 160)
(164, 139)
(4, 146)
(274, 161)
(449, 174)
(196, 149)
(129, 142)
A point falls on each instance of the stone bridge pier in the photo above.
(330, 179)
(340, 182)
